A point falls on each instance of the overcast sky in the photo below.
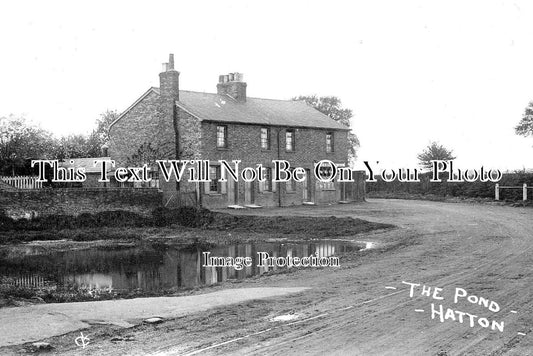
(459, 72)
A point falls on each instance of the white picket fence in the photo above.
(23, 182)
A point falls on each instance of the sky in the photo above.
(456, 72)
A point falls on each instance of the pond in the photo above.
(151, 268)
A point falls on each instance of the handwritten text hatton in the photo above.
(197, 171)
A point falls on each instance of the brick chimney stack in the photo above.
(169, 81)
(232, 85)
(169, 89)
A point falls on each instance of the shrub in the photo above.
(465, 189)
(185, 216)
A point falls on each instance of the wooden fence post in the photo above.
(524, 191)
(497, 191)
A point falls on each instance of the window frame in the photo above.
(292, 134)
(224, 137)
(330, 146)
(215, 180)
(268, 139)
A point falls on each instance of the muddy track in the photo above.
(487, 250)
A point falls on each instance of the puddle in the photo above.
(368, 245)
(151, 268)
(286, 317)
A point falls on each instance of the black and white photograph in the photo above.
(266, 177)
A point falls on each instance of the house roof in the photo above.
(214, 107)
(221, 108)
(86, 162)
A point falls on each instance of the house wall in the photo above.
(142, 124)
(189, 148)
(244, 143)
(197, 140)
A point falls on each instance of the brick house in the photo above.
(230, 126)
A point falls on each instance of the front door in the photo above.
(249, 195)
(233, 192)
(307, 192)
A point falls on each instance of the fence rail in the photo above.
(524, 188)
(179, 199)
(22, 182)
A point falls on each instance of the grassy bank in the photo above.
(198, 222)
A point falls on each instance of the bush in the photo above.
(465, 189)
(115, 218)
(185, 216)
(6, 223)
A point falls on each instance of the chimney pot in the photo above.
(170, 62)
(165, 67)
(232, 85)
(105, 150)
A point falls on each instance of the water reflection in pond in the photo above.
(150, 268)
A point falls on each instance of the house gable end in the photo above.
(132, 106)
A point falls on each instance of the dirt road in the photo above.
(27, 323)
(363, 308)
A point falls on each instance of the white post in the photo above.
(524, 191)
(497, 191)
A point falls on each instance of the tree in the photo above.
(332, 107)
(101, 133)
(78, 145)
(21, 141)
(525, 126)
(434, 151)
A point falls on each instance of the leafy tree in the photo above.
(525, 126)
(101, 133)
(21, 141)
(434, 151)
(76, 146)
(332, 107)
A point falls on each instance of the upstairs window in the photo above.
(329, 142)
(289, 141)
(265, 138)
(222, 136)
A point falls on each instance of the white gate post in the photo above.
(497, 192)
(524, 191)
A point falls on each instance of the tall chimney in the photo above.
(169, 83)
(169, 88)
(171, 61)
(232, 85)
